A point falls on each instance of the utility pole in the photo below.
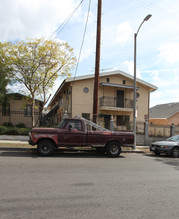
(97, 64)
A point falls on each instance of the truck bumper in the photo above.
(31, 142)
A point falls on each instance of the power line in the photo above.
(79, 56)
(61, 27)
(159, 10)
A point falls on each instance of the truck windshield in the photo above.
(61, 124)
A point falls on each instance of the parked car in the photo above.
(169, 147)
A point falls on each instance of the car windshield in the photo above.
(173, 138)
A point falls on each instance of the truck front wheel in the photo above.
(45, 147)
(113, 149)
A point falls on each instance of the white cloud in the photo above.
(91, 18)
(85, 54)
(155, 98)
(123, 33)
(170, 52)
(116, 35)
(32, 18)
(155, 77)
(164, 95)
(173, 94)
(128, 67)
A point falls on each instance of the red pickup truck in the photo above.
(80, 132)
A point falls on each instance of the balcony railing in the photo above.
(115, 102)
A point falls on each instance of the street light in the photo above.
(134, 104)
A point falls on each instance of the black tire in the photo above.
(175, 152)
(113, 149)
(45, 147)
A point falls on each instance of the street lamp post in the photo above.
(134, 100)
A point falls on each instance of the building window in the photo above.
(28, 110)
(85, 90)
(122, 120)
(86, 116)
(107, 79)
(6, 110)
(124, 81)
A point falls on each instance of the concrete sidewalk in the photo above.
(14, 137)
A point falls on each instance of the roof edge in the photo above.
(83, 77)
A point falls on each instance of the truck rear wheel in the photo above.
(45, 147)
(113, 149)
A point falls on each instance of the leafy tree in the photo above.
(5, 71)
(3, 83)
(37, 63)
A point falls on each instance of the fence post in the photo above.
(172, 130)
(111, 124)
(146, 132)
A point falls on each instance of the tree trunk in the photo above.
(33, 111)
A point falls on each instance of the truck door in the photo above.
(73, 134)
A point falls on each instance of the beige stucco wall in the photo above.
(17, 113)
(112, 91)
(142, 102)
(82, 102)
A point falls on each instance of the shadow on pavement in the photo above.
(168, 160)
(64, 154)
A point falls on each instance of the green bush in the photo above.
(4, 130)
(21, 125)
(8, 124)
(23, 131)
(11, 131)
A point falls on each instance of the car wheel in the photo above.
(113, 149)
(45, 147)
(175, 152)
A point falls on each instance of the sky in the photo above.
(157, 40)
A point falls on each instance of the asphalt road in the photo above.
(88, 185)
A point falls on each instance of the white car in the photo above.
(169, 147)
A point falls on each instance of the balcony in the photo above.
(115, 104)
